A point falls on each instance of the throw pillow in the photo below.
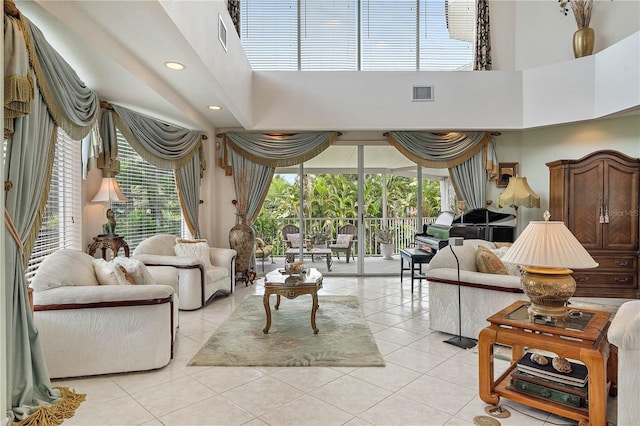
(123, 276)
(133, 268)
(198, 249)
(512, 268)
(343, 240)
(294, 239)
(489, 263)
(104, 272)
(500, 245)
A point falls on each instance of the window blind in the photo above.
(152, 205)
(62, 219)
(364, 35)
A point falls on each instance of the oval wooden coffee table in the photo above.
(291, 286)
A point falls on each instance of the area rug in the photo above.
(344, 340)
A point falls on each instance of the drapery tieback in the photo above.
(8, 222)
(8, 185)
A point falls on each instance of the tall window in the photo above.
(152, 206)
(62, 219)
(433, 35)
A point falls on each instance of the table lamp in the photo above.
(518, 194)
(109, 192)
(547, 249)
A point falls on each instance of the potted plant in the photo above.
(385, 237)
(319, 238)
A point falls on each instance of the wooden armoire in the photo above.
(597, 197)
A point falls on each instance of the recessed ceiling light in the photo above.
(174, 65)
(214, 107)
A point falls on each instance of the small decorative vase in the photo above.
(583, 41)
(242, 239)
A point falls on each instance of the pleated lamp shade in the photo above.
(518, 193)
(109, 191)
(549, 244)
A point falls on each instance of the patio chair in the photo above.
(347, 235)
(294, 240)
(262, 251)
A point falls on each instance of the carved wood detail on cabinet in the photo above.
(598, 198)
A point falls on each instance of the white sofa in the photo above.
(481, 294)
(86, 328)
(624, 333)
(195, 282)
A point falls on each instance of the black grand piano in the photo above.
(482, 223)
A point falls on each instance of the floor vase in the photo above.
(242, 239)
(583, 41)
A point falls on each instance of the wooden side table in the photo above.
(104, 242)
(589, 346)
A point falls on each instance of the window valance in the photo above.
(439, 150)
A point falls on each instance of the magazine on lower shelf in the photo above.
(577, 376)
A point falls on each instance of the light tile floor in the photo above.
(425, 381)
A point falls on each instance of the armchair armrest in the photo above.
(221, 256)
(77, 297)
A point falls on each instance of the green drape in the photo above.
(470, 181)
(59, 98)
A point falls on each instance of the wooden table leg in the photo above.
(596, 362)
(277, 301)
(267, 310)
(314, 309)
(486, 339)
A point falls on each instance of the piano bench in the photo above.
(414, 257)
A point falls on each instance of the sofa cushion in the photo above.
(161, 244)
(198, 249)
(342, 241)
(121, 271)
(512, 268)
(105, 272)
(489, 263)
(294, 239)
(216, 273)
(65, 267)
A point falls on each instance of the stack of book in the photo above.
(546, 382)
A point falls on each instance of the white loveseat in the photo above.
(481, 294)
(196, 280)
(86, 328)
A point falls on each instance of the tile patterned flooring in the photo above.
(425, 381)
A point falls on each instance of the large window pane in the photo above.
(328, 35)
(153, 206)
(270, 33)
(62, 219)
(408, 35)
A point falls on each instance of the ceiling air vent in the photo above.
(222, 33)
(422, 93)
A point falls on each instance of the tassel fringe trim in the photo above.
(54, 415)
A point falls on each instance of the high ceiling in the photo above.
(118, 48)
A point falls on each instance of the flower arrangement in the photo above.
(581, 10)
(384, 235)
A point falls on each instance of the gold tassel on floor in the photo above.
(53, 415)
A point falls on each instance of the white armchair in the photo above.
(198, 280)
(624, 333)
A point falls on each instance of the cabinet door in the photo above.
(621, 198)
(586, 189)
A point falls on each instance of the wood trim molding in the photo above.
(112, 304)
(476, 285)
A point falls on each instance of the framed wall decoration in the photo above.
(506, 171)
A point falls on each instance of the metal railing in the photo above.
(404, 230)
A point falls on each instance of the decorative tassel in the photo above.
(55, 414)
